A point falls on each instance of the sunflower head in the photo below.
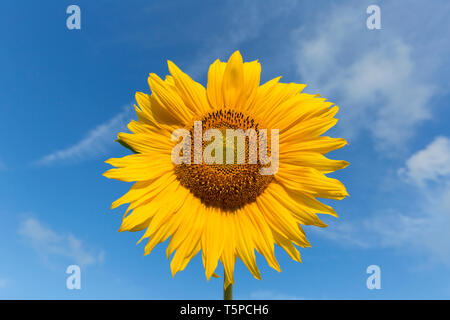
(229, 169)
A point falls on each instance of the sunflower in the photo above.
(227, 210)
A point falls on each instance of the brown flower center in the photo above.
(228, 185)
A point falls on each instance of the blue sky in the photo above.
(66, 93)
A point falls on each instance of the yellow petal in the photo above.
(192, 93)
(245, 247)
(192, 234)
(282, 201)
(166, 103)
(148, 142)
(263, 237)
(311, 181)
(308, 201)
(228, 257)
(281, 221)
(252, 75)
(184, 255)
(145, 112)
(313, 160)
(135, 192)
(158, 206)
(138, 127)
(165, 207)
(307, 130)
(213, 241)
(186, 226)
(233, 80)
(214, 87)
(298, 108)
(153, 190)
(269, 100)
(262, 94)
(139, 167)
(139, 218)
(318, 144)
(287, 245)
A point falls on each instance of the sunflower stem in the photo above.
(228, 291)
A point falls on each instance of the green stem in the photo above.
(228, 292)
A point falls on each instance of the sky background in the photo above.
(65, 94)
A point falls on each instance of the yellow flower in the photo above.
(227, 210)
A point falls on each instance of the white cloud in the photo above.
(422, 224)
(95, 143)
(421, 232)
(271, 295)
(424, 231)
(374, 76)
(48, 243)
(429, 164)
(429, 171)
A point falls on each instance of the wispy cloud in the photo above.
(429, 164)
(424, 231)
(424, 228)
(377, 77)
(95, 143)
(420, 232)
(49, 243)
